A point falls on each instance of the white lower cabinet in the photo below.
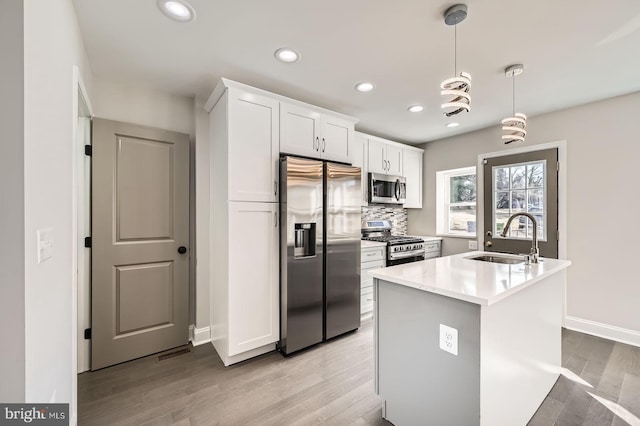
(245, 282)
(372, 257)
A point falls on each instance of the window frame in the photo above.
(443, 203)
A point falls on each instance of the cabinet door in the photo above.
(393, 155)
(412, 170)
(359, 159)
(377, 162)
(336, 139)
(299, 131)
(253, 144)
(253, 276)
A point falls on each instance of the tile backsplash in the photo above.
(396, 215)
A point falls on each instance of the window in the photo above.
(456, 202)
(520, 188)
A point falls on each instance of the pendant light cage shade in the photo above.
(514, 127)
(456, 89)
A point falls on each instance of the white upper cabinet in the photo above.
(253, 147)
(360, 159)
(390, 158)
(336, 139)
(299, 130)
(385, 158)
(412, 170)
(306, 132)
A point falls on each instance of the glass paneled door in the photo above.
(521, 183)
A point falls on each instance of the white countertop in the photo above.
(367, 244)
(483, 283)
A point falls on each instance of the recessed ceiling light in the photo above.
(364, 87)
(178, 10)
(452, 124)
(287, 55)
(416, 108)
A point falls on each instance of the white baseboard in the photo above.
(611, 332)
(199, 336)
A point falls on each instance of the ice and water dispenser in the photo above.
(304, 240)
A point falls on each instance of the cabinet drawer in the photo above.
(372, 254)
(366, 300)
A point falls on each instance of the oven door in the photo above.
(404, 257)
(408, 259)
(387, 189)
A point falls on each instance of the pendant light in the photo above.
(515, 127)
(456, 88)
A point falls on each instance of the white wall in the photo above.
(52, 46)
(12, 312)
(133, 104)
(602, 206)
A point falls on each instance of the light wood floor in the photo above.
(330, 384)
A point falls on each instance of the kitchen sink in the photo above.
(498, 259)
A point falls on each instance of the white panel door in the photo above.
(140, 233)
(412, 170)
(336, 139)
(393, 155)
(377, 162)
(299, 131)
(253, 147)
(359, 158)
(253, 276)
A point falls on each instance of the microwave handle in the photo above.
(397, 189)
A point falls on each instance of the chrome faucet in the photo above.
(535, 253)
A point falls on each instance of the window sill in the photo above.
(465, 236)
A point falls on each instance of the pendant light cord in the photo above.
(455, 50)
(513, 103)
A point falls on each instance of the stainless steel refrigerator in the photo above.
(319, 251)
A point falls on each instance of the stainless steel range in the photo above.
(399, 249)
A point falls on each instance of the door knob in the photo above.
(182, 249)
(489, 233)
(488, 244)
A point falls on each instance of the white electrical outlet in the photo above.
(473, 245)
(449, 339)
(45, 244)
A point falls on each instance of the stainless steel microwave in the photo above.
(386, 189)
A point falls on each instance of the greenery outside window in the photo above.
(456, 202)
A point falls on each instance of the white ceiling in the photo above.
(574, 52)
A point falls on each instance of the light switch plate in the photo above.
(473, 245)
(45, 244)
(449, 339)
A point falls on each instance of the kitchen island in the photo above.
(467, 342)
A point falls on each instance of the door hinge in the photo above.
(87, 242)
(88, 150)
(87, 334)
(557, 166)
(558, 235)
